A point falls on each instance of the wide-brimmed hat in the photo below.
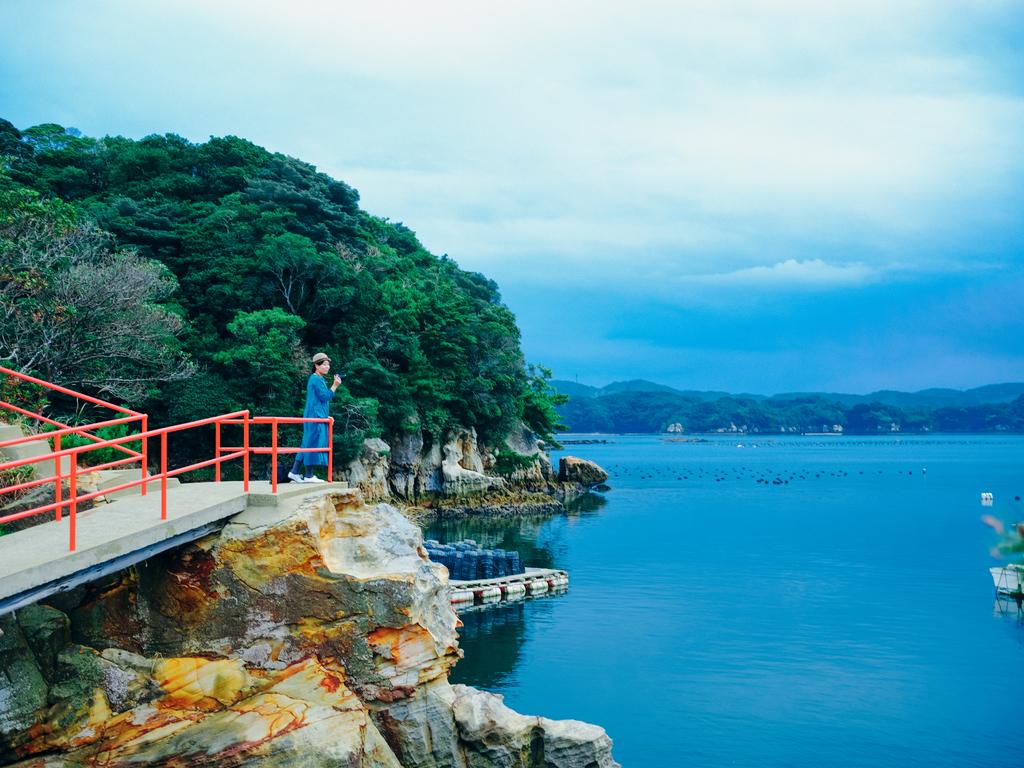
(319, 357)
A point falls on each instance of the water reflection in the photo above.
(493, 636)
(585, 505)
(540, 540)
(1009, 608)
(491, 639)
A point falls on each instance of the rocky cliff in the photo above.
(316, 634)
(461, 473)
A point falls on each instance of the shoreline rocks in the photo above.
(455, 479)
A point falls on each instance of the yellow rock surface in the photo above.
(201, 683)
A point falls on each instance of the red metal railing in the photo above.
(75, 498)
(81, 430)
(275, 449)
(72, 455)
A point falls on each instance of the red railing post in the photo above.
(144, 449)
(245, 456)
(58, 491)
(330, 451)
(273, 456)
(216, 448)
(163, 475)
(73, 517)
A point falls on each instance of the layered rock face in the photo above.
(461, 471)
(312, 635)
(370, 470)
(411, 470)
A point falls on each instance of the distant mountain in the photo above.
(575, 389)
(925, 398)
(635, 385)
(644, 406)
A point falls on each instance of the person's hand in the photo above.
(337, 380)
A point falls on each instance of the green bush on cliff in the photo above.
(274, 260)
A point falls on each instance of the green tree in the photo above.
(75, 309)
(266, 359)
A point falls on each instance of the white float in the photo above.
(489, 594)
(515, 591)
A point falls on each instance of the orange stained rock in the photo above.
(267, 715)
(132, 729)
(312, 682)
(274, 554)
(214, 738)
(330, 683)
(407, 646)
(198, 682)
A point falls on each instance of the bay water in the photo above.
(839, 612)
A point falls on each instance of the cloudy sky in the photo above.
(749, 196)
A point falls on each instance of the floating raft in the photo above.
(535, 581)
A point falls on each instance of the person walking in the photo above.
(314, 434)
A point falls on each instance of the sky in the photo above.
(741, 196)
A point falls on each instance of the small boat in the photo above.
(1008, 579)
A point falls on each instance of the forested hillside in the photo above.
(650, 411)
(242, 262)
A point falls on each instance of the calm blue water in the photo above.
(843, 619)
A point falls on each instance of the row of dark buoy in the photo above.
(466, 561)
(760, 475)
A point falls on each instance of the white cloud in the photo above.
(810, 273)
(529, 137)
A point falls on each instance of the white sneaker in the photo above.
(313, 479)
(294, 477)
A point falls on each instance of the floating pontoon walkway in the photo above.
(535, 581)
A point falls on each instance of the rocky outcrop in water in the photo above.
(317, 634)
(414, 471)
(580, 471)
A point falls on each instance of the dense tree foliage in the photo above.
(75, 310)
(649, 411)
(274, 260)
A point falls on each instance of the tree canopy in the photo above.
(268, 260)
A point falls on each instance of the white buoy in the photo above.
(515, 591)
(538, 587)
(490, 594)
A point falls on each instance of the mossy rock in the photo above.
(23, 689)
(79, 672)
(47, 631)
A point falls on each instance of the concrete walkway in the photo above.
(36, 562)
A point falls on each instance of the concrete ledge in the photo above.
(39, 555)
(261, 495)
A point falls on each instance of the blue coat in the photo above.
(318, 406)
